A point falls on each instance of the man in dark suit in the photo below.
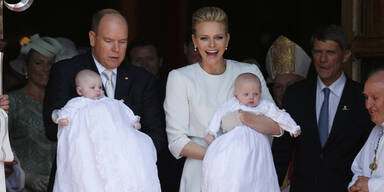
(332, 116)
(137, 87)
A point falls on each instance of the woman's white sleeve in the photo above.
(176, 113)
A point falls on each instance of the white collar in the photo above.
(101, 68)
(336, 87)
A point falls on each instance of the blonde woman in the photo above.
(194, 92)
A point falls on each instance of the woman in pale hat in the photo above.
(26, 129)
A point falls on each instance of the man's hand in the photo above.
(361, 185)
(231, 120)
(4, 102)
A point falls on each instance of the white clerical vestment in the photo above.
(364, 161)
(6, 154)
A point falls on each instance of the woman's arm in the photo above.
(260, 123)
(193, 150)
(176, 109)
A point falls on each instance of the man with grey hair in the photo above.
(332, 116)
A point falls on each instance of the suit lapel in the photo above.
(311, 114)
(342, 114)
(124, 80)
(90, 64)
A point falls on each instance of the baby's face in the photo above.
(248, 94)
(92, 88)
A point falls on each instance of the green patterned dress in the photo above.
(27, 136)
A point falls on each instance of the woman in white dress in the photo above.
(195, 92)
(99, 146)
(241, 160)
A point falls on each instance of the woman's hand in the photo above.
(193, 150)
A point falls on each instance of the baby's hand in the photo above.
(297, 133)
(137, 125)
(63, 122)
(209, 138)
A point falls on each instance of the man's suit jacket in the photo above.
(318, 169)
(138, 88)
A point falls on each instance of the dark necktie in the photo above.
(324, 118)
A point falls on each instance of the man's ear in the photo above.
(92, 38)
(347, 55)
(79, 91)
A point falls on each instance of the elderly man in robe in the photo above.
(368, 166)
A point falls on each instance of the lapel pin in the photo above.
(345, 108)
(126, 78)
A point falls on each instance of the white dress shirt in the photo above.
(336, 88)
(104, 79)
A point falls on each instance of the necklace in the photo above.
(373, 165)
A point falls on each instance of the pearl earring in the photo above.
(226, 48)
(195, 49)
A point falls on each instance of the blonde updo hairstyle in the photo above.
(206, 14)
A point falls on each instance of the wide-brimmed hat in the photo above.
(68, 50)
(47, 46)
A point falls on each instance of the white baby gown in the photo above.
(241, 159)
(100, 151)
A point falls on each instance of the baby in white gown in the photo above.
(99, 146)
(241, 159)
